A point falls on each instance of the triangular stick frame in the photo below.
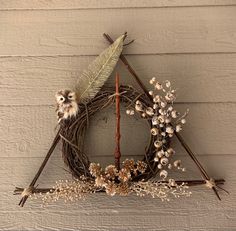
(207, 180)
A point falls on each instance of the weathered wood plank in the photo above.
(198, 77)
(75, 32)
(63, 220)
(103, 4)
(28, 131)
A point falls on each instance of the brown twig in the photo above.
(31, 186)
(117, 136)
(179, 137)
(179, 182)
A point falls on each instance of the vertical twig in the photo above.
(179, 137)
(117, 136)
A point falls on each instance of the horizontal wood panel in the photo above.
(185, 30)
(198, 77)
(202, 206)
(101, 4)
(28, 131)
(155, 221)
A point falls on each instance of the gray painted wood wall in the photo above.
(44, 46)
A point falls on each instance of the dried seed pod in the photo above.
(157, 143)
(164, 161)
(177, 163)
(161, 118)
(154, 131)
(160, 153)
(163, 174)
(170, 151)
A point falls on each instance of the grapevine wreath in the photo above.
(146, 177)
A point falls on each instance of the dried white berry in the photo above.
(157, 144)
(163, 104)
(167, 120)
(174, 114)
(183, 121)
(149, 111)
(177, 163)
(163, 174)
(154, 131)
(160, 154)
(170, 96)
(156, 159)
(153, 79)
(170, 151)
(167, 83)
(169, 129)
(161, 118)
(155, 106)
(163, 134)
(158, 86)
(138, 107)
(129, 112)
(178, 128)
(150, 92)
(170, 108)
(164, 161)
(172, 182)
(157, 99)
(159, 166)
(155, 120)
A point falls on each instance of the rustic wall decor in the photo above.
(146, 177)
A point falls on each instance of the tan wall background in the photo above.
(45, 45)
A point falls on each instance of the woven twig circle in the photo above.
(73, 132)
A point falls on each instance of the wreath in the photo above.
(148, 176)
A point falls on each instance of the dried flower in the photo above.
(95, 169)
(129, 164)
(111, 188)
(111, 171)
(141, 166)
(124, 175)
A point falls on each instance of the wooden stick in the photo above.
(117, 136)
(179, 182)
(31, 186)
(179, 137)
